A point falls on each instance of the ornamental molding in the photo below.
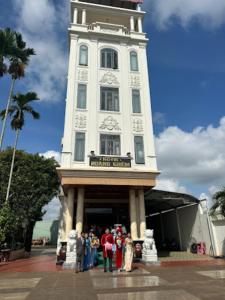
(110, 123)
(138, 125)
(109, 78)
(80, 121)
(82, 75)
(135, 81)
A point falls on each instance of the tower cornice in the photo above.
(102, 8)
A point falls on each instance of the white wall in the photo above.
(218, 228)
(193, 227)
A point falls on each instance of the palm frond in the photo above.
(20, 106)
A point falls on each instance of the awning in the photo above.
(134, 1)
(157, 201)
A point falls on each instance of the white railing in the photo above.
(108, 28)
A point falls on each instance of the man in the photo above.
(107, 242)
(80, 253)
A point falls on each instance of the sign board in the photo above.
(110, 161)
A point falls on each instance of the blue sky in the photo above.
(187, 75)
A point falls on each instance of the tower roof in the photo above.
(129, 4)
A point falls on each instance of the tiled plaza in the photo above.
(39, 278)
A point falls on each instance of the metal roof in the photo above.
(157, 201)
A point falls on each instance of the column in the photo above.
(69, 207)
(140, 24)
(80, 210)
(142, 213)
(83, 16)
(75, 15)
(131, 23)
(179, 232)
(162, 227)
(133, 216)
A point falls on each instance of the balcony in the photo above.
(107, 29)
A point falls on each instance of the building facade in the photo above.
(108, 155)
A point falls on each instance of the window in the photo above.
(136, 101)
(139, 150)
(109, 144)
(79, 146)
(81, 96)
(133, 61)
(109, 99)
(109, 59)
(83, 59)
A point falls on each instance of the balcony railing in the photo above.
(108, 28)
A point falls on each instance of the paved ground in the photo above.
(39, 278)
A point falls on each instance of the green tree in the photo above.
(18, 55)
(8, 222)
(35, 183)
(7, 48)
(19, 107)
(219, 203)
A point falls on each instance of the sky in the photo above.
(186, 57)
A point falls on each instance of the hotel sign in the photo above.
(107, 161)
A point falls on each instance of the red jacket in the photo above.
(107, 238)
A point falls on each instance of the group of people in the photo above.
(114, 244)
(87, 245)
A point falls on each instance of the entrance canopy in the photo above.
(157, 201)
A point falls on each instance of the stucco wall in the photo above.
(193, 227)
(218, 228)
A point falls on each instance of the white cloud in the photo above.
(170, 185)
(209, 13)
(41, 23)
(197, 157)
(52, 210)
(52, 153)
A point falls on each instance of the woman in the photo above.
(119, 251)
(94, 247)
(128, 253)
(87, 254)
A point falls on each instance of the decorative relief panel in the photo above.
(135, 81)
(109, 78)
(80, 121)
(137, 125)
(110, 123)
(82, 75)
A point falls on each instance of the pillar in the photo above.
(140, 24)
(133, 215)
(80, 210)
(131, 23)
(141, 199)
(179, 231)
(75, 15)
(84, 16)
(69, 207)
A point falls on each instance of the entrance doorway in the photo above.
(105, 215)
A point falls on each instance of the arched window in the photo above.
(133, 61)
(109, 58)
(83, 59)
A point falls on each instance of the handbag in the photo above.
(108, 246)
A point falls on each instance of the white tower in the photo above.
(108, 156)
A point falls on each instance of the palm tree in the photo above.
(19, 59)
(7, 48)
(17, 110)
(219, 203)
